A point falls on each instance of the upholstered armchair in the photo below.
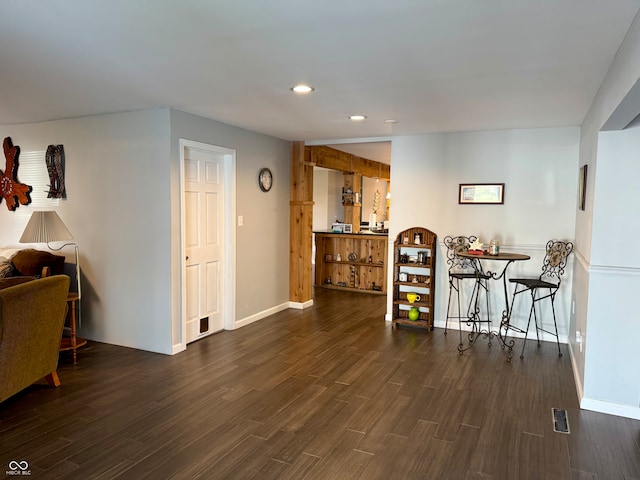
(32, 314)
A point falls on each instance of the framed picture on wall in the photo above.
(481, 193)
(582, 187)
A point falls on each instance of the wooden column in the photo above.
(300, 226)
(352, 203)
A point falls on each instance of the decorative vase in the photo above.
(414, 314)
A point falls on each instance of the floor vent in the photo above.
(560, 421)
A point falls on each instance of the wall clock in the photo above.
(265, 179)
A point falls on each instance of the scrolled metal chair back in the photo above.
(555, 260)
(454, 246)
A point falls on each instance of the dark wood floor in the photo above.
(331, 392)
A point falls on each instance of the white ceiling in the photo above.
(432, 65)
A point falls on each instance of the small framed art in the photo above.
(481, 193)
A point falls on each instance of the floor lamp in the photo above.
(46, 227)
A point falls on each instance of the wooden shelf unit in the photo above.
(357, 275)
(421, 277)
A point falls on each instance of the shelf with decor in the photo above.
(352, 262)
(414, 269)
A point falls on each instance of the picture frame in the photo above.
(481, 194)
(582, 187)
(347, 228)
(337, 228)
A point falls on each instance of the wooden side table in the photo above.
(72, 342)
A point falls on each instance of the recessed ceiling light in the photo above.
(391, 120)
(357, 118)
(302, 88)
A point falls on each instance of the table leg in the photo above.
(507, 345)
(72, 342)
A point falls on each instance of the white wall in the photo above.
(321, 219)
(262, 243)
(369, 188)
(327, 198)
(598, 276)
(539, 168)
(123, 209)
(612, 361)
(117, 208)
(335, 209)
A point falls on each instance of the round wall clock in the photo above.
(265, 179)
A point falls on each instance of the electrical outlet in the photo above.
(240, 220)
(579, 339)
(573, 307)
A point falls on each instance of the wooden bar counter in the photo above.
(352, 261)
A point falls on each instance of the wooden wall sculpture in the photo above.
(10, 189)
(55, 167)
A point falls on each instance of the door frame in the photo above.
(229, 254)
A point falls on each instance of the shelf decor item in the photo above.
(413, 297)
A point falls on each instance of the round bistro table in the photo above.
(477, 260)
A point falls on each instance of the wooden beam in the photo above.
(327, 157)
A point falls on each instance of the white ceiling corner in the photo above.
(432, 65)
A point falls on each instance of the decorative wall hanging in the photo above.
(10, 189)
(582, 188)
(55, 167)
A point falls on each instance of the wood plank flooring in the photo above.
(331, 392)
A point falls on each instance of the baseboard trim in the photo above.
(260, 315)
(301, 305)
(576, 377)
(609, 408)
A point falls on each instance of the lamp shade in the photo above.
(45, 227)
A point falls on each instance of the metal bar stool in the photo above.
(461, 269)
(545, 286)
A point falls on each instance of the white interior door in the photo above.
(204, 242)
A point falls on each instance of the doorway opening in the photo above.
(207, 183)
